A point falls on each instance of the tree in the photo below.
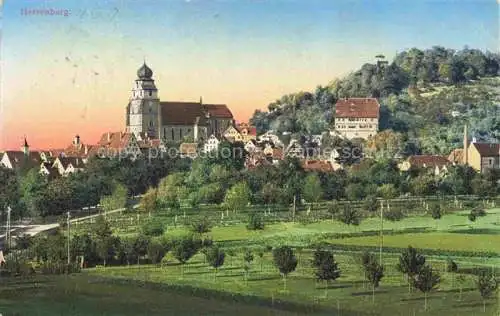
(350, 216)
(451, 267)
(426, 280)
(185, 249)
(23, 242)
(285, 261)
(117, 200)
(201, 227)
(141, 243)
(149, 202)
(105, 248)
(248, 258)
(487, 285)
(326, 267)
(237, 197)
(371, 204)
(461, 280)
(410, 263)
(155, 251)
(334, 209)
(255, 221)
(472, 217)
(152, 228)
(215, 258)
(375, 273)
(436, 212)
(312, 190)
(366, 259)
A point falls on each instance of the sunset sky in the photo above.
(62, 76)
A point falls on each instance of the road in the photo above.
(33, 230)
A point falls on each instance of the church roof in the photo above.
(144, 72)
(218, 110)
(182, 113)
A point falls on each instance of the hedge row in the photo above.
(430, 252)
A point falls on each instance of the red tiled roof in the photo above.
(77, 150)
(218, 110)
(182, 113)
(317, 165)
(251, 130)
(115, 140)
(428, 161)
(487, 149)
(357, 108)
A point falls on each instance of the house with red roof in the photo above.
(357, 117)
(437, 164)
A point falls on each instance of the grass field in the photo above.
(86, 295)
(164, 290)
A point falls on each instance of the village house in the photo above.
(212, 144)
(76, 149)
(231, 134)
(117, 145)
(247, 132)
(251, 146)
(357, 117)
(479, 156)
(313, 165)
(270, 136)
(68, 165)
(188, 150)
(438, 164)
(23, 159)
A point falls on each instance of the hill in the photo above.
(425, 95)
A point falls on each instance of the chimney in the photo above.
(466, 147)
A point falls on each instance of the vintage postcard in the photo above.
(243, 157)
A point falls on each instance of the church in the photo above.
(172, 121)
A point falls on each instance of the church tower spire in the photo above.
(144, 104)
(25, 148)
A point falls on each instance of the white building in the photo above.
(211, 144)
(357, 117)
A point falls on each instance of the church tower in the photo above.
(143, 107)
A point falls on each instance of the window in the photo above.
(180, 133)
(151, 123)
(150, 93)
(173, 136)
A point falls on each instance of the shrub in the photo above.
(478, 211)
(153, 228)
(393, 215)
(255, 222)
(155, 251)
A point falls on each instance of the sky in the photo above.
(67, 75)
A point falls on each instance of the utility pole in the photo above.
(68, 237)
(381, 228)
(7, 233)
